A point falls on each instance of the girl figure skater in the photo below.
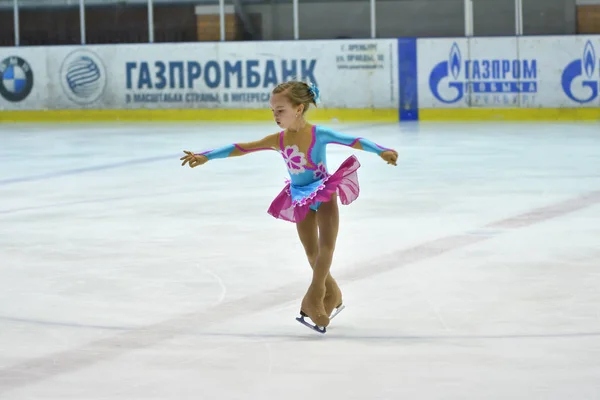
(309, 199)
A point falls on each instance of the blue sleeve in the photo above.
(222, 152)
(270, 142)
(327, 136)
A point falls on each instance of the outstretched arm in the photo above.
(328, 136)
(239, 149)
(232, 150)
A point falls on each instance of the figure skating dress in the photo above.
(310, 183)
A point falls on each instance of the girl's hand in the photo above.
(390, 156)
(193, 159)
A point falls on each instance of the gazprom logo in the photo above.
(455, 60)
(583, 70)
(487, 80)
(449, 74)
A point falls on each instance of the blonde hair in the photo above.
(297, 93)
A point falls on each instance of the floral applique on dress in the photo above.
(321, 171)
(294, 159)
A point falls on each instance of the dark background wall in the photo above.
(423, 18)
(109, 21)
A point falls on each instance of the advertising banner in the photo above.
(478, 72)
(350, 74)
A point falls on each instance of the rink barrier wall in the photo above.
(197, 81)
(173, 115)
(508, 114)
(388, 80)
(523, 78)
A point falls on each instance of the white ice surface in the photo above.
(125, 276)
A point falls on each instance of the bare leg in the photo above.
(328, 224)
(308, 232)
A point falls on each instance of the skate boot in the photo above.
(333, 298)
(313, 308)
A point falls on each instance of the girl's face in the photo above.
(284, 112)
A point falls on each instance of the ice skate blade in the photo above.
(336, 311)
(315, 328)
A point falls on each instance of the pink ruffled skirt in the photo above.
(294, 203)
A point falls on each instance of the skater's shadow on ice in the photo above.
(336, 332)
(338, 335)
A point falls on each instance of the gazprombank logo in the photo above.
(83, 76)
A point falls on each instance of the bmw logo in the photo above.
(83, 76)
(16, 79)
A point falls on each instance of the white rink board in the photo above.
(24, 78)
(491, 73)
(523, 72)
(555, 55)
(438, 86)
(349, 73)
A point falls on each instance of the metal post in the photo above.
(16, 22)
(222, 19)
(519, 17)
(296, 20)
(468, 18)
(82, 20)
(373, 20)
(150, 21)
